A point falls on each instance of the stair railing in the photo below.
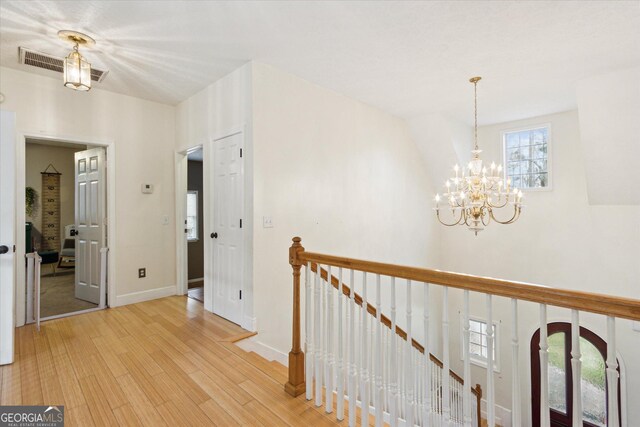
(395, 379)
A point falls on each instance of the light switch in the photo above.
(147, 188)
(267, 222)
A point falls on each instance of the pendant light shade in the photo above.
(77, 70)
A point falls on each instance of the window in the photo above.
(478, 343)
(192, 216)
(526, 158)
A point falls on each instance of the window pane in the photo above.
(557, 373)
(475, 338)
(526, 158)
(475, 326)
(192, 215)
(593, 384)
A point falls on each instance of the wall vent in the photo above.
(53, 63)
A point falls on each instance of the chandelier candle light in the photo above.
(475, 192)
(77, 70)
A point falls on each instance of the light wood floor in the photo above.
(162, 362)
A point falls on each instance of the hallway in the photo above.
(162, 362)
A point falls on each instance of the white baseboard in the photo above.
(503, 415)
(269, 353)
(141, 296)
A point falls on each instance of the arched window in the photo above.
(593, 384)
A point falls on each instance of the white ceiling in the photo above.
(408, 58)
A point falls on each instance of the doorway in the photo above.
(560, 377)
(194, 225)
(65, 208)
(223, 226)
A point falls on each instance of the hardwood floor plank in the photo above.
(73, 396)
(79, 416)
(142, 378)
(126, 416)
(11, 387)
(101, 412)
(138, 400)
(183, 380)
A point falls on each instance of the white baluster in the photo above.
(340, 378)
(409, 365)
(576, 366)
(308, 337)
(364, 378)
(544, 369)
(491, 407)
(516, 418)
(466, 399)
(317, 335)
(393, 380)
(427, 415)
(446, 397)
(351, 359)
(378, 397)
(612, 374)
(329, 363)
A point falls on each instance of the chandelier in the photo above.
(475, 193)
(77, 70)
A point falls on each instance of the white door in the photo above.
(226, 231)
(90, 221)
(7, 233)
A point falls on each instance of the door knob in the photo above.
(214, 235)
(4, 249)
(73, 232)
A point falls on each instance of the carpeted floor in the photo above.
(57, 294)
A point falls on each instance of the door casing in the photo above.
(248, 321)
(21, 217)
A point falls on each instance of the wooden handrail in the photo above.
(607, 305)
(386, 321)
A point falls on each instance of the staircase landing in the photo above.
(162, 362)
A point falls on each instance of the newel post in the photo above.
(296, 386)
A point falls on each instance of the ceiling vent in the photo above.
(53, 63)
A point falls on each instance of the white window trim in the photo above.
(550, 174)
(475, 359)
(194, 239)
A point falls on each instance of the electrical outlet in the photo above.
(267, 222)
(142, 273)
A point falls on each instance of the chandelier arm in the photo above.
(515, 216)
(488, 218)
(449, 224)
(499, 206)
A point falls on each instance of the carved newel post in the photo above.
(295, 386)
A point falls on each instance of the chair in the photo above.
(68, 252)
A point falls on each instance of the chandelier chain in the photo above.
(475, 113)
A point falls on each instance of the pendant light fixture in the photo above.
(77, 70)
(475, 193)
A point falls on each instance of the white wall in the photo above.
(561, 241)
(609, 106)
(143, 135)
(344, 176)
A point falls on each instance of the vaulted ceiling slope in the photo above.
(408, 58)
